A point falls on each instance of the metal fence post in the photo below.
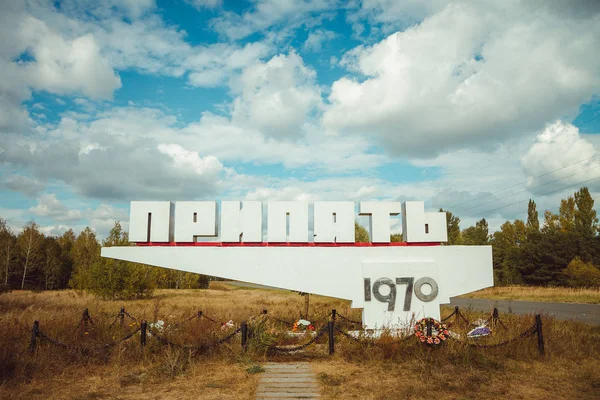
(495, 317)
(540, 333)
(143, 332)
(34, 335)
(122, 315)
(244, 334)
(429, 326)
(330, 327)
(333, 314)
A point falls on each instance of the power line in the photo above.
(535, 187)
(590, 120)
(540, 176)
(520, 183)
(543, 194)
(558, 208)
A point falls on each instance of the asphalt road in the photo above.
(588, 313)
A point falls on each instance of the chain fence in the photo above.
(281, 349)
(348, 319)
(246, 332)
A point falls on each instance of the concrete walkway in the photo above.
(588, 313)
(287, 381)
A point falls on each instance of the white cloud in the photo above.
(505, 72)
(212, 65)
(235, 141)
(276, 97)
(66, 66)
(62, 217)
(314, 41)
(114, 156)
(564, 158)
(132, 9)
(184, 159)
(268, 13)
(22, 184)
(100, 220)
(200, 4)
(49, 206)
(392, 14)
(65, 41)
(13, 91)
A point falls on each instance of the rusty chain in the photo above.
(449, 316)
(129, 315)
(354, 339)
(280, 320)
(529, 332)
(456, 313)
(55, 342)
(348, 319)
(86, 349)
(300, 347)
(166, 341)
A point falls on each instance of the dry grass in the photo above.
(388, 370)
(538, 293)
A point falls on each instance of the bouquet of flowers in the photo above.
(302, 325)
(227, 325)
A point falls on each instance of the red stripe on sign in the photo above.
(285, 244)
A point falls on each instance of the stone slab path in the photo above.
(287, 381)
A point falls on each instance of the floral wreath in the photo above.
(439, 331)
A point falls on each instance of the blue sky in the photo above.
(449, 102)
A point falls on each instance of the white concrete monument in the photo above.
(393, 283)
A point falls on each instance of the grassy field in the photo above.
(536, 293)
(386, 370)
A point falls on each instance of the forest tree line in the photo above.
(563, 250)
(32, 260)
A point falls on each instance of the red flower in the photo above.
(436, 341)
(430, 340)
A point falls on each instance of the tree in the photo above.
(453, 224)
(585, 220)
(544, 256)
(7, 250)
(396, 237)
(507, 242)
(476, 235)
(85, 253)
(551, 222)
(533, 222)
(66, 243)
(52, 263)
(580, 273)
(566, 215)
(360, 233)
(113, 279)
(29, 243)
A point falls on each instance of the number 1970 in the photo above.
(411, 285)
